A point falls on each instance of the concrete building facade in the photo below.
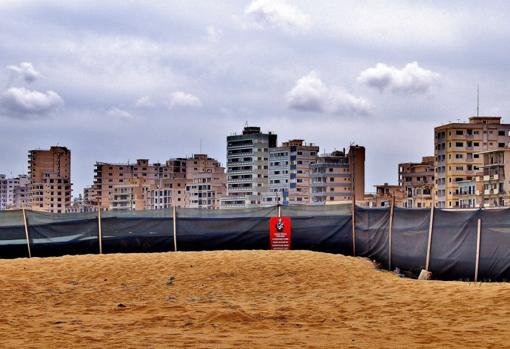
(385, 193)
(417, 182)
(247, 167)
(337, 176)
(49, 172)
(456, 154)
(290, 172)
(155, 186)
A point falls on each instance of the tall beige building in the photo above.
(456, 160)
(417, 182)
(49, 173)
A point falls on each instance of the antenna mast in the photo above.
(477, 100)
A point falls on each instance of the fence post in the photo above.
(478, 240)
(99, 230)
(26, 233)
(390, 231)
(429, 242)
(174, 220)
(353, 221)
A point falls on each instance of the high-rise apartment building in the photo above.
(417, 182)
(456, 154)
(49, 172)
(289, 172)
(334, 176)
(247, 167)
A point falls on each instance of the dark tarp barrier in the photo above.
(207, 230)
(453, 250)
(147, 231)
(409, 239)
(317, 228)
(321, 228)
(495, 245)
(53, 234)
(372, 226)
(13, 242)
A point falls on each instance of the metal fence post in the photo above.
(25, 222)
(478, 240)
(174, 214)
(390, 231)
(99, 230)
(429, 242)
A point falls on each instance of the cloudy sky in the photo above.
(120, 80)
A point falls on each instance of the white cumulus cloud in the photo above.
(277, 13)
(181, 99)
(19, 101)
(118, 113)
(311, 94)
(144, 102)
(25, 70)
(411, 79)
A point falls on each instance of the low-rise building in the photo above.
(385, 193)
(337, 176)
(417, 182)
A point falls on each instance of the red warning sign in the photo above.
(279, 233)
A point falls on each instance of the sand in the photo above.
(251, 299)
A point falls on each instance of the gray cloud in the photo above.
(25, 70)
(410, 79)
(22, 102)
(311, 94)
(102, 54)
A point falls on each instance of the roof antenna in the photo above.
(246, 123)
(200, 145)
(477, 100)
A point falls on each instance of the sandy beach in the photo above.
(249, 299)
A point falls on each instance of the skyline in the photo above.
(155, 79)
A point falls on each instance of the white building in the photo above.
(247, 167)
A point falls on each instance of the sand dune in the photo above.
(246, 299)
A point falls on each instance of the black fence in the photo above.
(453, 245)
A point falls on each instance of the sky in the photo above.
(115, 81)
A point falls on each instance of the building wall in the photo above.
(290, 172)
(417, 182)
(50, 179)
(334, 175)
(154, 186)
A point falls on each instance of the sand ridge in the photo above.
(245, 299)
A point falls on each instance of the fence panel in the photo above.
(409, 239)
(453, 251)
(495, 245)
(372, 227)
